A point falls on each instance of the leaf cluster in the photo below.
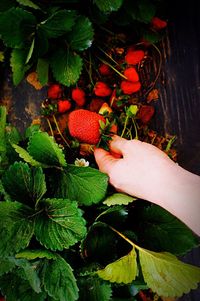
(51, 37)
(66, 236)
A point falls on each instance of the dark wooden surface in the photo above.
(177, 110)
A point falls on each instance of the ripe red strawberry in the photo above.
(130, 87)
(131, 74)
(104, 69)
(96, 104)
(102, 89)
(158, 24)
(84, 126)
(64, 105)
(145, 113)
(54, 91)
(134, 57)
(78, 95)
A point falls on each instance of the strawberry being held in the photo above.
(84, 125)
(102, 89)
(78, 95)
(54, 91)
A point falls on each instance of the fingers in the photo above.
(104, 160)
(118, 145)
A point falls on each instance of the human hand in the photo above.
(138, 171)
(148, 173)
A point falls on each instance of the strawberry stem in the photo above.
(159, 70)
(110, 57)
(58, 129)
(50, 127)
(122, 75)
(135, 128)
(125, 125)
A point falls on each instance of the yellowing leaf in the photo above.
(166, 275)
(123, 270)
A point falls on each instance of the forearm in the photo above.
(179, 193)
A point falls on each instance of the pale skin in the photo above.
(146, 172)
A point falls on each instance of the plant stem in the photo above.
(58, 129)
(112, 68)
(135, 128)
(50, 127)
(159, 70)
(110, 57)
(125, 125)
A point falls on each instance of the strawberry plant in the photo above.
(51, 37)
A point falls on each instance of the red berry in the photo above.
(104, 69)
(158, 24)
(64, 105)
(54, 91)
(78, 95)
(102, 89)
(131, 74)
(84, 126)
(96, 104)
(145, 113)
(134, 57)
(130, 87)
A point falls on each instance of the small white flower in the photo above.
(81, 162)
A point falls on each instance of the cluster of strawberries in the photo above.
(115, 89)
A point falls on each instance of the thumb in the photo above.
(104, 160)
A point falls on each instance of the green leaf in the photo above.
(28, 3)
(118, 199)
(94, 289)
(60, 225)
(166, 275)
(5, 5)
(81, 36)
(31, 130)
(100, 238)
(66, 67)
(123, 270)
(43, 71)
(3, 158)
(113, 216)
(24, 184)
(108, 5)
(147, 11)
(16, 227)
(28, 272)
(17, 63)
(44, 149)
(33, 254)
(25, 156)
(162, 231)
(59, 23)
(30, 53)
(6, 265)
(85, 185)
(59, 281)
(21, 289)
(16, 26)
